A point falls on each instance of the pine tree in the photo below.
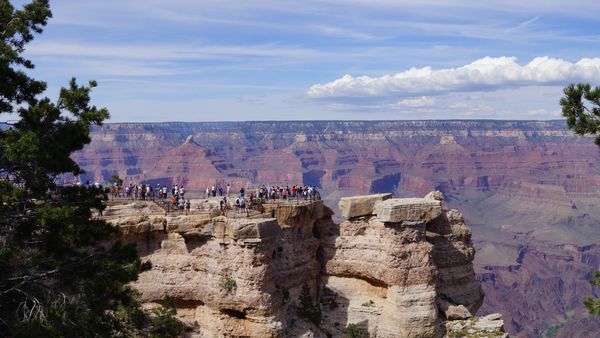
(62, 271)
(581, 107)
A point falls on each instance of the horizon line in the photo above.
(338, 120)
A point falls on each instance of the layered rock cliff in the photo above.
(394, 268)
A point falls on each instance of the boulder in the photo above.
(408, 210)
(453, 312)
(357, 206)
(493, 316)
(435, 195)
(490, 323)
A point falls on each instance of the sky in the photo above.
(193, 60)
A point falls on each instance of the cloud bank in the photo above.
(486, 74)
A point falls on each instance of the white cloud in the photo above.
(344, 33)
(543, 113)
(488, 73)
(417, 102)
(167, 51)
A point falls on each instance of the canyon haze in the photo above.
(529, 190)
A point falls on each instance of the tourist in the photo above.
(181, 205)
(237, 205)
(222, 205)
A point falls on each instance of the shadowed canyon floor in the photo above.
(528, 189)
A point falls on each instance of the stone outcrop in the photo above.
(293, 272)
(392, 257)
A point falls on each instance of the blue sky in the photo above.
(185, 60)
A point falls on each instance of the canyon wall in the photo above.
(529, 189)
(394, 268)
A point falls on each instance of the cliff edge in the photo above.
(394, 268)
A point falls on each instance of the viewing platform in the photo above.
(122, 206)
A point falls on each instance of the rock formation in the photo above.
(293, 272)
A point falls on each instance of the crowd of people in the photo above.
(295, 192)
(159, 193)
(267, 192)
(246, 198)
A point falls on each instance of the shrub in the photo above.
(369, 303)
(227, 284)
(354, 331)
(307, 308)
(164, 324)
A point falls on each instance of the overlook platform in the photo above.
(120, 207)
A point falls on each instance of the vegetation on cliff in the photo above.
(593, 304)
(59, 276)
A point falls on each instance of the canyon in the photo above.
(528, 189)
